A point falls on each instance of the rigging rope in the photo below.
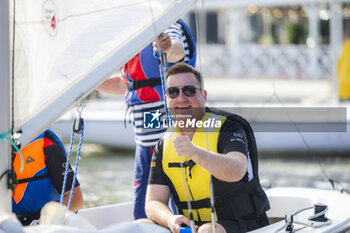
(189, 206)
(267, 32)
(211, 187)
(162, 59)
(198, 38)
(161, 56)
(290, 220)
(76, 165)
(78, 127)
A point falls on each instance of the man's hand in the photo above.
(184, 146)
(175, 222)
(164, 43)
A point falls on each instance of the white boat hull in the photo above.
(284, 201)
(118, 218)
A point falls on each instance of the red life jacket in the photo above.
(141, 73)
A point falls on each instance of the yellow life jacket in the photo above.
(197, 178)
(344, 72)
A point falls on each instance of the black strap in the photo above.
(185, 164)
(151, 82)
(203, 203)
(188, 163)
(4, 173)
(31, 179)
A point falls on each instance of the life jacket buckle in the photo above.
(12, 180)
(130, 86)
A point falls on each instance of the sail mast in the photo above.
(5, 102)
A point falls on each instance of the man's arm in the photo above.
(77, 199)
(156, 206)
(230, 167)
(113, 85)
(158, 193)
(157, 209)
(56, 164)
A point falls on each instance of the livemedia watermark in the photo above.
(262, 119)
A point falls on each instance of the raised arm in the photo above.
(230, 167)
(173, 48)
(114, 85)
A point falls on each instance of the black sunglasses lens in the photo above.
(189, 91)
(173, 92)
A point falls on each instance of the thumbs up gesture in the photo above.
(184, 146)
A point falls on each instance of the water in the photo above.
(106, 177)
(305, 172)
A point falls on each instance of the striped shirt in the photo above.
(150, 137)
(176, 33)
(147, 137)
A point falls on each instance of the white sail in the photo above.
(64, 49)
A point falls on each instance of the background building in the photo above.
(271, 38)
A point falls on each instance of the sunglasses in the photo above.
(188, 91)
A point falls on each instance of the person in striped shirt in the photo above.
(143, 94)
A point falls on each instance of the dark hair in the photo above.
(182, 67)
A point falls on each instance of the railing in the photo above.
(255, 61)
